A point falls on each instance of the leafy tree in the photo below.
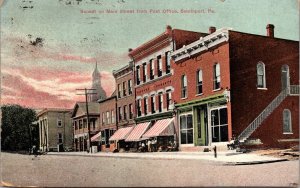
(17, 127)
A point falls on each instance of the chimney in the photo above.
(270, 30)
(130, 49)
(168, 29)
(211, 29)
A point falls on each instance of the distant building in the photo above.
(55, 129)
(96, 85)
(80, 126)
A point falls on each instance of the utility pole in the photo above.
(86, 93)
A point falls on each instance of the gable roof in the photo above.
(80, 108)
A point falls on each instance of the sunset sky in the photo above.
(49, 47)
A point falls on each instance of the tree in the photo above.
(16, 127)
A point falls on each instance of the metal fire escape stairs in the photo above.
(289, 91)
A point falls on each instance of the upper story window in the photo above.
(160, 102)
(152, 100)
(217, 76)
(75, 125)
(112, 115)
(169, 99)
(183, 86)
(199, 82)
(103, 118)
(144, 72)
(151, 69)
(138, 105)
(124, 89)
(129, 87)
(130, 111)
(159, 66)
(59, 123)
(120, 113)
(119, 90)
(168, 62)
(261, 75)
(107, 117)
(80, 124)
(287, 121)
(125, 112)
(146, 105)
(138, 74)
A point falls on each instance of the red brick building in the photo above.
(108, 124)
(230, 83)
(153, 78)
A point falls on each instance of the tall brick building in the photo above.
(237, 84)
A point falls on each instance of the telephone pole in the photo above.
(86, 93)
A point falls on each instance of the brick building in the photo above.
(55, 130)
(153, 81)
(108, 124)
(124, 78)
(80, 125)
(237, 84)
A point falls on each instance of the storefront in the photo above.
(119, 137)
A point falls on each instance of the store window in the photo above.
(199, 82)
(186, 129)
(219, 125)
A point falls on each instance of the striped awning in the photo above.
(95, 137)
(164, 127)
(121, 134)
(137, 132)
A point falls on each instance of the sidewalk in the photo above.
(227, 158)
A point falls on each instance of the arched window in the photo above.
(183, 86)
(261, 75)
(287, 121)
(285, 77)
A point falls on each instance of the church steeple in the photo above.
(96, 84)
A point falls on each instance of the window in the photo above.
(152, 104)
(112, 117)
(261, 77)
(130, 111)
(59, 122)
(199, 82)
(139, 113)
(94, 123)
(183, 86)
(151, 69)
(129, 87)
(217, 76)
(169, 99)
(168, 62)
(103, 118)
(186, 129)
(60, 138)
(119, 90)
(160, 102)
(75, 125)
(287, 121)
(124, 89)
(146, 105)
(138, 75)
(159, 66)
(125, 112)
(80, 124)
(219, 127)
(120, 113)
(84, 123)
(144, 72)
(107, 117)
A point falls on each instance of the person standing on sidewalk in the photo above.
(149, 145)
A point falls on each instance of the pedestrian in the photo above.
(149, 145)
(153, 148)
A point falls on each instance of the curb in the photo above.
(254, 162)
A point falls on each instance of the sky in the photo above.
(50, 47)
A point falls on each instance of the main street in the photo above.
(83, 171)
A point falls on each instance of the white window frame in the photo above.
(198, 81)
(112, 116)
(184, 86)
(186, 145)
(108, 117)
(146, 105)
(216, 76)
(168, 61)
(264, 86)
(290, 121)
(210, 126)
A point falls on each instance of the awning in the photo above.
(137, 132)
(95, 137)
(164, 127)
(121, 134)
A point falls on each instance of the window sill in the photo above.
(187, 145)
(184, 98)
(262, 88)
(288, 133)
(216, 89)
(200, 94)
